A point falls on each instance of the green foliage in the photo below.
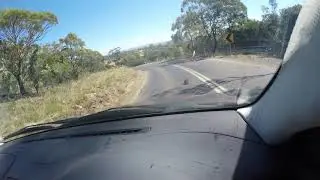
(26, 65)
(204, 24)
(207, 20)
(270, 25)
(19, 31)
(7, 85)
(52, 65)
(92, 61)
(249, 30)
(72, 48)
(72, 42)
(114, 55)
(151, 53)
(66, 60)
(24, 27)
(274, 29)
(288, 18)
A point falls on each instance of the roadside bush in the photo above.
(52, 64)
(134, 62)
(7, 85)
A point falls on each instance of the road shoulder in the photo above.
(251, 60)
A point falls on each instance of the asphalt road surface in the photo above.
(205, 82)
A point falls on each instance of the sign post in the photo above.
(230, 39)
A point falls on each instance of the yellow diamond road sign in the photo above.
(230, 38)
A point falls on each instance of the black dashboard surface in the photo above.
(204, 145)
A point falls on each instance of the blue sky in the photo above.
(105, 24)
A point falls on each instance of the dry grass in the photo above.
(93, 93)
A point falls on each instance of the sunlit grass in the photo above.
(92, 93)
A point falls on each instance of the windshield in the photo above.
(64, 59)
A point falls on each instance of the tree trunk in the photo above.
(21, 85)
(213, 45)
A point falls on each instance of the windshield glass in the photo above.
(62, 59)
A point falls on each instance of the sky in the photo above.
(107, 24)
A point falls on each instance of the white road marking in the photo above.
(216, 87)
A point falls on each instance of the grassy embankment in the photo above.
(92, 93)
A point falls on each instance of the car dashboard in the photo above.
(203, 145)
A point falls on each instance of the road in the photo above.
(206, 82)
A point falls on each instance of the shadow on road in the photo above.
(182, 60)
(234, 90)
(197, 90)
(203, 88)
(240, 78)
